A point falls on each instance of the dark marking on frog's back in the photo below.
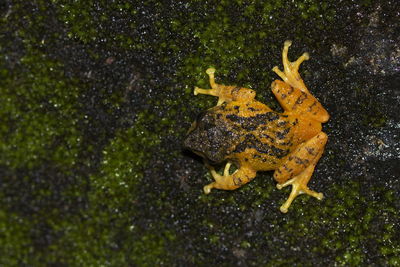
(251, 123)
(250, 141)
(288, 143)
(282, 134)
(259, 118)
(282, 123)
(266, 136)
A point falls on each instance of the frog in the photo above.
(248, 136)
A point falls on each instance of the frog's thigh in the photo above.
(297, 101)
(284, 93)
(230, 181)
(309, 152)
(306, 154)
(291, 98)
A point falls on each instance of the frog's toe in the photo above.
(287, 43)
(312, 193)
(299, 186)
(207, 188)
(298, 190)
(210, 71)
(290, 72)
(295, 65)
(198, 90)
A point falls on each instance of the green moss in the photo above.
(245, 244)
(376, 120)
(347, 233)
(39, 115)
(144, 248)
(149, 243)
(214, 239)
(124, 160)
(85, 24)
(115, 239)
(14, 239)
(80, 20)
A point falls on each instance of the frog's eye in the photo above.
(201, 115)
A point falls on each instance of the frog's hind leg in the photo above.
(299, 167)
(295, 101)
(229, 181)
(292, 93)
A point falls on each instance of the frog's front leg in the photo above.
(228, 181)
(223, 92)
(299, 167)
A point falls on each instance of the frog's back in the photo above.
(246, 133)
(264, 136)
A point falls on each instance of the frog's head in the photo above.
(209, 137)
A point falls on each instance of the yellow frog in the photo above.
(243, 131)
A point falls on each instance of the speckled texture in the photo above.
(96, 97)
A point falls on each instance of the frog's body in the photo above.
(247, 133)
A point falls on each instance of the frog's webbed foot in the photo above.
(216, 89)
(290, 72)
(299, 186)
(229, 181)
